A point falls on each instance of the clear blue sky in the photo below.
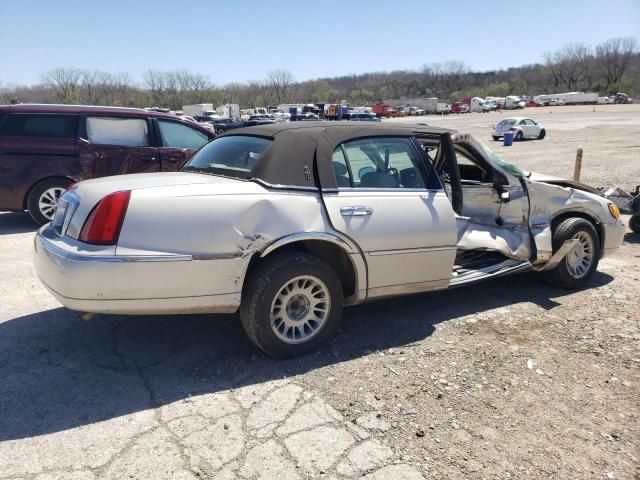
(235, 40)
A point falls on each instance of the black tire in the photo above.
(495, 139)
(541, 134)
(634, 223)
(260, 292)
(518, 137)
(55, 186)
(562, 275)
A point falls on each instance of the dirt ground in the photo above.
(507, 379)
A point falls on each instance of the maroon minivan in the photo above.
(44, 148)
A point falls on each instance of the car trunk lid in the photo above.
(76, 204)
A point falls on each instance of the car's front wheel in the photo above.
(495, 139)
(541, 134)
(43, 199)
(579, 264)
(291, 304)
(634, 223)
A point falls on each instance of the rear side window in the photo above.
(230, 155)
(177, 135)
(130, 132)
(40, 125)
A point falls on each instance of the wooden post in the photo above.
(578, 166)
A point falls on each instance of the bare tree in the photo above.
(613, 57)
(280, 80)
(570, 64)
(65, 82)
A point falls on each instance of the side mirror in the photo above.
(505, 197)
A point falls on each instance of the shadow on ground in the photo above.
(16, 222)
(59, 372)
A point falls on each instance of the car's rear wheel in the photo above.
(519, 136)
(291, 304)
(43, 199)
(634, 223)
(579, 264)
(495, 139)
(541, 134)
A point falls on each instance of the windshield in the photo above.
(495, 158)
(233, 155)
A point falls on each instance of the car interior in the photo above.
(376, 164)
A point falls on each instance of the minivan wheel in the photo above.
(579, 264)
(291, 304)
(43, 199)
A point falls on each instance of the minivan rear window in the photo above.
(39, 125)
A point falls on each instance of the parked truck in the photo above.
(459, 107)
(199, 110)
(382, 110)
(229, 110)
(477, 104)
(570, 98)
(512, 102)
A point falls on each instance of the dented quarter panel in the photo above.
(226, 226)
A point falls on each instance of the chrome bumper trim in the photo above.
(81, 257)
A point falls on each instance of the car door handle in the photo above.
(356, 211)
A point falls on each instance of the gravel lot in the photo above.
(509, 379)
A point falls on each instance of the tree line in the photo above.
(609, 67)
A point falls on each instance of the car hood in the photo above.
(563, 182)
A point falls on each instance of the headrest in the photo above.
(340, 169)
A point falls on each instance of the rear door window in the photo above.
(40, 126)
(130, 132)
(177, 135)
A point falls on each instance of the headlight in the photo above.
(614, 210)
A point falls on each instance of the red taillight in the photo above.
(512, 129)
(70, 186)
(104, 223)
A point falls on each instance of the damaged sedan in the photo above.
(287, 223)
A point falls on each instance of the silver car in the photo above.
(521, 128)
(289, 222)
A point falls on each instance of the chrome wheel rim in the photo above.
(300, 309)
(580, 257)
(48, 201)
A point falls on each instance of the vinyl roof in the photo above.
(300, 154)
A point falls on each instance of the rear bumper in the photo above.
(101, 282)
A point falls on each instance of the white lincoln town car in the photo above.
(289, 222)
